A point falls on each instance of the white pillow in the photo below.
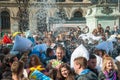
(99, 63)
(79, 51)
(117, 58)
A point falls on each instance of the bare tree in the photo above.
(23, 14)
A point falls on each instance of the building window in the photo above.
(42, 0)
(41, 24)
(5, 20)
(4, 0)
(47, 0)
(23, 19)
(41, 20)
(60, 0)
(77, 14)
(78, 0)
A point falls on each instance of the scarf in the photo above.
(85, 71)
(111, 75)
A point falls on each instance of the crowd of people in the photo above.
(49, 57)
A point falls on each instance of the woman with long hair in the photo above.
(65, 72)
(17, 70)
(109, 70)
(35, 64)
(34, 61)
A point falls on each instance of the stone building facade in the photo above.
(45, 14)
(74, 11)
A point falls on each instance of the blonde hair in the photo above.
(81, 61)
(105, 60)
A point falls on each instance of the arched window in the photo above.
(78, 0)
(41, 20)
(23, 19)
(61, 14)
(78, 14)
(5, 20)
(41, 24)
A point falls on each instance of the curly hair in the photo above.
(70, 72)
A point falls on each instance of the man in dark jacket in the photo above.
(80, 65)
(92, 64)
